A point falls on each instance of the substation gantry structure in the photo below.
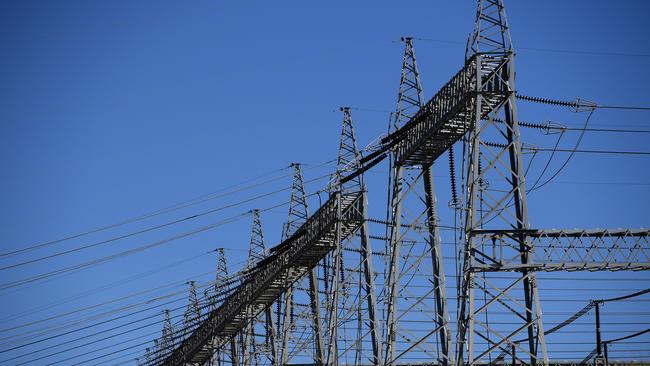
(300, 296)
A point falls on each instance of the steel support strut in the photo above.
(439, 283)
(496, 168)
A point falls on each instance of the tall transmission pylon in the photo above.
(416, 278)
(351, 302)
(192, 315)
(495, 199)
(167, 340)
(222, 284)
(258, 337)
(300, 324)
(158, 353)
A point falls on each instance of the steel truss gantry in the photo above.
(271, 277)
(478, 108)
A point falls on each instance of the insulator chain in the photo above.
(563, 103)
(292, 313)
(326, 275)
(342, 271)
(579, 105)
(452, 178)
(541, 126)
(278, 317)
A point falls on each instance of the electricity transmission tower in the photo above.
(352, 315)
(300, 325)
(259, 335)
(415, 270)
(364, 314)
(218, 356)
(495, 198)
(192, 313)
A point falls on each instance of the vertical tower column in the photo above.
(416, 272)
(300, 326)
(252, 346)
(495, 198)
(356, 323)
(215, 297)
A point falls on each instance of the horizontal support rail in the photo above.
(563, 250)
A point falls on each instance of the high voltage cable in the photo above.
(153, 228)
(225, 285)
(578, 103)
(613, 152)
(141, 248)
(552, 50)
(99, 340)
(184, 204)
(102, 315)
(230, 282)
(110, 226)
(105, 287)
(598, 129)
(154, 244)
(121, 254)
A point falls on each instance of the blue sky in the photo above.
(109, 110)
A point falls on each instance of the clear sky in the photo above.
(110, 110)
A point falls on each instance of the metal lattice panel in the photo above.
(287, 262)
(567, 250)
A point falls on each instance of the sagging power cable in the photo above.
(578, 104)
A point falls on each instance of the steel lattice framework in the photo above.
(329, 253)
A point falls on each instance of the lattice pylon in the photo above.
(192, 314)
(491, 34)
(158, 352)
(215, 295)
(298, 313)
(149, 356)
(167, 339)
(351, 319)
(415, 280)
(258, 336)
(495, 198)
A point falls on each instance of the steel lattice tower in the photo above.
(495, 197)
(298, 313)
(167, 340)
(497, 316)
(262, 324)
(351, 305)
(414, 244)
(222, 283)
(192, 315)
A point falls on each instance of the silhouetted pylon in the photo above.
(415, 251)
(300, 325)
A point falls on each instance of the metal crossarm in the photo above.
(336, 219)
(567, 250)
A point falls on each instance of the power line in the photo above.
(105, 287)
(104, 259)
(578, 104)
(232, 279)
(551, 50)
(613, 152)
(175, 207)
(119, 223)
(153, 228)
(615, 130)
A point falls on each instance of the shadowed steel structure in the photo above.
(501, 252)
